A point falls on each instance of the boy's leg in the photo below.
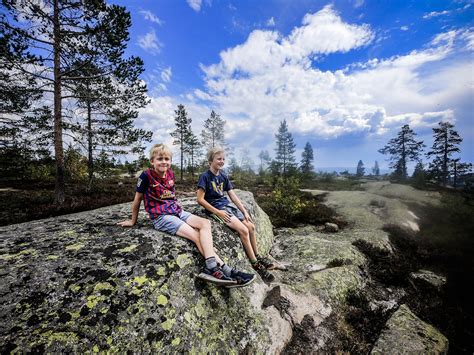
(243, 231)
(205, 236)
(253, 239)
(188, 232)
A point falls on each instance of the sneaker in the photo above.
(262, 271)
(217, 276)
(266, 262)
(242, 278)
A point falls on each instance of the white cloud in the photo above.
(404, 28)
(195, 4)
(166, 75)
(271, 22)
(321, 33)
(150, 16)
(436, 14)
(358, 3)
(149, 42)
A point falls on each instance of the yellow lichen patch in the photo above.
(75, 247)
(104, 310)
(74, 288)
(109, 340)
(95, 349)
(162, 300)
(93, 300)
(21, 253)
(176, 341)
(52, 257)
(164, 288)
(60, 337)
(168, 324)
(128, 249)
(102, 286)
(182, 260)
(161, 271)
(188, 317)
(74, 315)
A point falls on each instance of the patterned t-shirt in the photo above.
(158, 193)
(214, 187)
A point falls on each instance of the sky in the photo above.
(345, 75)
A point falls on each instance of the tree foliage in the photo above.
(182, 134)
(360, 171)
(402, 149)
(213, 131)
(446, 142)
(376, 169)
(285, 150)
(307, 158)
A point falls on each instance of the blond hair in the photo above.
(158, 149)
(213, 152)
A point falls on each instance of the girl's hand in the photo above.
(127, 223)
(226, 216)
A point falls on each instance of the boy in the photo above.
(210, 195)
(156, 187)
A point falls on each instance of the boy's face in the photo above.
(218, 161)
(161, 162)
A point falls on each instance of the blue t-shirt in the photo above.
(214, 187)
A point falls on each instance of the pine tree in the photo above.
(192, 149)
(306, 159)
(419, 175)
(360, 171)
(285, 150)
(376, 169)
(402, 149)
(53, 34)
(459, 169)
(446, 142)
(182, 133)
(213, 132)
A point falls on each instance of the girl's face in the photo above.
(218, 161)
(161, 163)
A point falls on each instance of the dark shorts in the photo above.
(234, 211)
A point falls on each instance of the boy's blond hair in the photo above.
(213, 152)
(158, 149)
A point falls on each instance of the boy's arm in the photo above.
(236, 200)
(135, 209)
(202, 201)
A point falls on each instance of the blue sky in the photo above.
(346, 75)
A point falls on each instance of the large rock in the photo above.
(80, 282)
(405, 333)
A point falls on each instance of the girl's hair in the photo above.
(160, 149)
(213, 152)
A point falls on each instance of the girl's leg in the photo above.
(244, 234)
(205, 236)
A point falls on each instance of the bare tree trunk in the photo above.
(90, 162)
(59, 191)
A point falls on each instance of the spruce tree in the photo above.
(213, 132)
(360, 171)
(376, 169)
(182, 133)
(192, 149)
(402, 149)
(285, 150)
(265, 160)
(307, 159)
(446, 142)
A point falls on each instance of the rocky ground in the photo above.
(80, 283)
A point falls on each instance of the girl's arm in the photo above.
(135, 209)
(202, 201)
(236, 200)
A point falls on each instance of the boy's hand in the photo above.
(127, 223)
(226, 216)
(247, 217)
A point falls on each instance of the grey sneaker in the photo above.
(262, 271)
